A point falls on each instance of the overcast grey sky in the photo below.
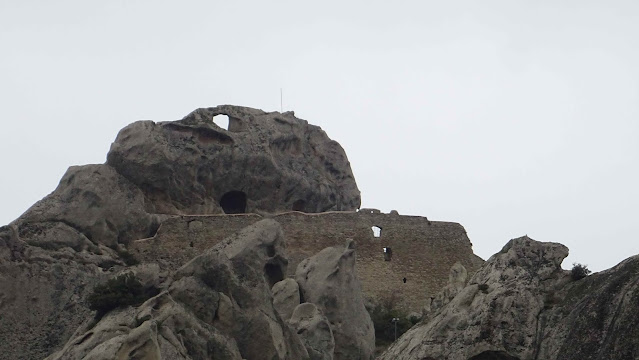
(509, 117)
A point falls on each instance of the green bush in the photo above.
(382, 314)
(122, 290)
(579, 271)
(127, 257)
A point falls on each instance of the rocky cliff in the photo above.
(522, 305)
(53, 255)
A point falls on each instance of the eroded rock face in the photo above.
(314, 330)
(522, 305)
(329, 280)
(97, 202)
(286, 297)
(457, 279)
(45, 277)
(264, 162)
(218, 306)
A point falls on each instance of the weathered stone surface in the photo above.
(522, 305)
(264, 162)
(97, 202)
(595, 317)
(43, 287)
(218, 305)
(329, 280)
(286, 297)
(315, 331)
(456, 282)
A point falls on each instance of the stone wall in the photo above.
(423, 251)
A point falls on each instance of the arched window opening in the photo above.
(221, 121)
(299, 205)
(388, 254)
(377, 231)
(233, 202)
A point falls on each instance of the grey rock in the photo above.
(218, 305)
(43, 287)
(497, 311)
(264, 162)
(457, 279)
(96, 201)
(286, 297)
(314, 330)
(329, 280)
(522, 305)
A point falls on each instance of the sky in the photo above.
(509, 117)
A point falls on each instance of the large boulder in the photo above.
(218, 305)
(286, 297)
(96, 201)
(264, 162)
(457, 278)
(521, 305)
(329, 280)
(45, 275)
(314, 330)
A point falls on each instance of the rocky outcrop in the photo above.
(46, 272)
(522, 305)
(264, 162)
(286, 297)
(329, 280)
(314, 330)
(217, 306)
(97, 202)
(457, 279)
(74, 238)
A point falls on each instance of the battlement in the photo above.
(401, 247)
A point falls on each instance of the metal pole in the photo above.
(395, 320)
(281, 102)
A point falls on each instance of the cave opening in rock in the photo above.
(233, 202)
(221, 121)
(299, 205)
(377, 231)
(273, 273)
(493, 355)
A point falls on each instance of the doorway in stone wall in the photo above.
(233, 202)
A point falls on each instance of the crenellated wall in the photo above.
(423, 251)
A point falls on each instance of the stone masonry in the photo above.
(423, 251)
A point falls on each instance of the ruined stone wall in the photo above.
(423, 251)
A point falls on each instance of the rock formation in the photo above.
(286, 297)
(457, 279)
(314, 330)
(216, 306)
(74, 238)
(522, 305)
(265, 161)
(329, 280)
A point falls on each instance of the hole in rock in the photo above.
(299, 205)
(221, 121)
(233, 202)
(377, 231)
(270, 251)
(493, 355)
(273, 273)
(404, 280)
(388, 254)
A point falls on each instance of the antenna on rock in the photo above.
(281, 102)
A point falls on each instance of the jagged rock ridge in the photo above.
(74, 238)
(521, 305)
